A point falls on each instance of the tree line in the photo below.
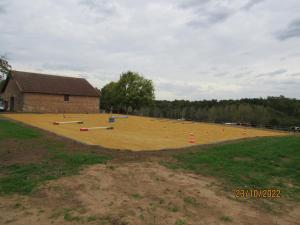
(271, 111)
(133, 94)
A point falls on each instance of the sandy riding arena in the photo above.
(137, 133)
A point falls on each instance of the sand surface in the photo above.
(138, 133)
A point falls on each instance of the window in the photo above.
(66, 98)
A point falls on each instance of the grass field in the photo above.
(13, 130)
(263, 163)
(23, 178)
(46, 179)
(138, 133)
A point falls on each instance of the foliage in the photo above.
(109, 96)
(262, 163)
(271, 111)
(5, 67)
(131, 92)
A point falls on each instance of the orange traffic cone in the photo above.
(192, 139)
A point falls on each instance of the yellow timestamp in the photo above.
(257, 193)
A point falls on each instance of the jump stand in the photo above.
(111, 119)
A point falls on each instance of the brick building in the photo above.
(42, 93)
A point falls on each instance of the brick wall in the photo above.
(12, 90)
(46, 103)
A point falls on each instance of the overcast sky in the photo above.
(191, 49)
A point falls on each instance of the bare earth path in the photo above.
(136, 193)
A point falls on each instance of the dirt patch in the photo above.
(139, 133)
(24, 151)
(14, 151)
(135, 193)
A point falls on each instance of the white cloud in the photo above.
(251, 4)
(292, 31)
(193, 49)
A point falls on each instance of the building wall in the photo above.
(45, 103)
(12, 90)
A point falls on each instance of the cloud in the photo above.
(242, 74)
(178, 88)
(294, 74)
(207, 12)
(167, 89)
(64, 67)
(104, 7)
(273, 73)
(292, 31)
(221, 74)
(3, 7)
(191, 49)
(185, 4)
(251, 4)
(210, 18)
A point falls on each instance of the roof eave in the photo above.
(46, 93)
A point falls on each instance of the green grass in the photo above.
(14, 130)
(91, 218)
(191, 200)
(180, 222)
(260, 163)
(69, 217)
(173, 208)
(226, 219)
(136, 196)
(24, 178)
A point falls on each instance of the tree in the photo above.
(4, 67)
(109, 96)
(132, 91)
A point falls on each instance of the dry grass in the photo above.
(138, 133)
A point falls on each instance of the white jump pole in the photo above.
(68, 122)
(120, 117)
(96, 128)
